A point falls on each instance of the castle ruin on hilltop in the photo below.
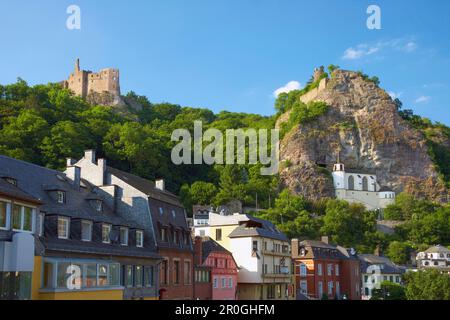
(101, 87)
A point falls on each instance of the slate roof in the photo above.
(321, 250)
(385, 189)
(209, 245)
(361, 171)
(8, 189)
(145, 186)
(254, 227)
(35, 180)
(387, 266)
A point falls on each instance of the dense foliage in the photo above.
(427, 285)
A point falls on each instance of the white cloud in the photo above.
(395, 95)
(423, 99)
(366, 49)
(290, 86)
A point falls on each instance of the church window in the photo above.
(365, 184)
(351, 183)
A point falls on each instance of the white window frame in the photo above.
(303, 270)
(230, 282)
(330, 287)
(41, 216)
(215, 283)
(22, 217)
(67, 229)
(329, 269)
(336, 269)
(109, 232)
(319, 269)
(123, 243)
(140, 244)
(8, 215)
(60, 196)
(86, 222)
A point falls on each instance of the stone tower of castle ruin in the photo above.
(102, 87)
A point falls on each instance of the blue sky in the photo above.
(232, 55)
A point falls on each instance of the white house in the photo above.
(436, 257)
(357, 186)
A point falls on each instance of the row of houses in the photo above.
(95, 232)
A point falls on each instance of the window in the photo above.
(271, 292)
(139, 274)
(320, 290)
(174, 214)
(98, 205)
(61, 196)
(86, 230)
(215, 282)
(139, 238)
(365, 184)
(164, 271)
(176, 272)
(106, 233)
(11, 181)
(338, 289)
(319, 269)
(303, 270)
(218, 234)
(187, 272)
(351, 183)
(128, 276)
(41, 219)
(17, 217)
(330, 287)
(175, 237)
(224, 282)
(123, 236)
(255, 246)
(304, 287)
(163, 234)
(230, 282)
(329, 269)
(3, 215)
(265, 269)
(336, 268)
(161, 211)
(148, 276)
(63, 227)
(103, 280)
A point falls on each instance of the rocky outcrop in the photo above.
(362, 127)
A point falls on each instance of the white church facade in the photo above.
(360, 187)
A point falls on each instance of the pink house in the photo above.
(222, 269)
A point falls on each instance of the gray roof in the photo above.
(437, 249)
(255, 227)
(209, 245)
(385, 189)
(35, 181)
(387, 266)
(8, 189)
(322, 250)
(145, 186)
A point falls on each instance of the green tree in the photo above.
(427, 285)
(399, 252)
(389, 291)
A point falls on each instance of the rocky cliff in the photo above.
(363, 128)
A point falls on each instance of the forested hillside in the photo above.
(44, 124)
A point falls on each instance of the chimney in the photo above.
(74, 174)
(325, 239)
(294, 247)
(198, 250)
(77, 65)
(102, 164)
(159, 184)
(377, 251)
(70, 162)
(90, 155)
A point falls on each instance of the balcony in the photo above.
(278, 254)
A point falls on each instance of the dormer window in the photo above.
(98, 205)
(173, 213)
(163, 234)
(123, 236)
(61, 196)
(139, 238)
(11, 181)
(106, 233)
(161, 210)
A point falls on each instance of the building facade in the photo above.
(375, 269)
(83, 249)
(261, 252)
(326, 271)
(360, 187)
(436, 257)
(83, 83)
(160, 214)
(18, 213)
(222, 268)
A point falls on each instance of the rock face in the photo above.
(363, 129)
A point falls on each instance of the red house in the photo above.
(327, 271)
(215, 271)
